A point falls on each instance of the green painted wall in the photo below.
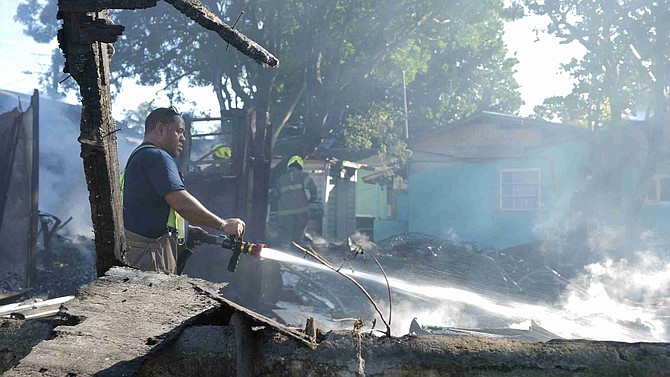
(462, 202)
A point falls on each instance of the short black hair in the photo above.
(161, 114)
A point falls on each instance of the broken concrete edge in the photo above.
(257, 319)
(124, 318)
(210, 290)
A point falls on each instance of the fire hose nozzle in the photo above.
(256, 249)
(241, 247)
(235, 244)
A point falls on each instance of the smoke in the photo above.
(633, 290)
(452, 314)
(558, 223)
(62, 185)
(362, 240)
(604, 239)
(613, 294)
(63, 191)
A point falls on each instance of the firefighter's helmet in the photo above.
(222, 152)
(295, 160)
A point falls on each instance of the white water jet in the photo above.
(589, 322)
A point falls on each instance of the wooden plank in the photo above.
(6, 310)
(13, 296)
(261, 176)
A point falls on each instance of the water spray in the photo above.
(562, 322)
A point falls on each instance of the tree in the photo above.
(622, 66)
(380, 127)
(134, 119)
(338, 57)
(624, 70)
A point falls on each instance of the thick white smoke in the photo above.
(633, 289)
(63, 191)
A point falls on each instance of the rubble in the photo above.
(67, 265)
(518, 276)
(120, 320)
(18, 337)
(144, 324)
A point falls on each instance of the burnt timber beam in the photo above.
(196, 11)
(99, 5)
(87, 61)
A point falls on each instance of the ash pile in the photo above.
(63, 264)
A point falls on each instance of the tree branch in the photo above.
(196, 11)
(311, 252)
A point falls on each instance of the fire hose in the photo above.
(237, 245)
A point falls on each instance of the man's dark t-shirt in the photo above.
(150, 174)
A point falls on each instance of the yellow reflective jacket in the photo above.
(290, 189)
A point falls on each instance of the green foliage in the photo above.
(338, 59)
(382, 127)
(134, 119)
(39, 18)
(622, 71)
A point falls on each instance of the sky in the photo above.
(22, 61)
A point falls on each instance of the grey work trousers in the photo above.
(152, 254)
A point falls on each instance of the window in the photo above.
(659, 191)
(520, 189)
(366, 225)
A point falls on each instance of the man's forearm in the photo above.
(188, 207)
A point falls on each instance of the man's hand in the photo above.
(196, 229)
(234, 227)
(192, 229)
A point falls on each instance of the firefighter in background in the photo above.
(221, 154)
(292, 203)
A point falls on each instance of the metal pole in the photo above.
(404, 94)
(35, 184)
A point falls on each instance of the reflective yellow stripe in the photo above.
(175, 221)
(288, 188)
(122, 178)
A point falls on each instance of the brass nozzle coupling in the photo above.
(253, 249)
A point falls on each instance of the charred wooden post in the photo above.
(310, 328)
(245, 345)
(35, 183)
(85, 39)
(261, 176)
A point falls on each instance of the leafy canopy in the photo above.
(622, 72)
(341, 61)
